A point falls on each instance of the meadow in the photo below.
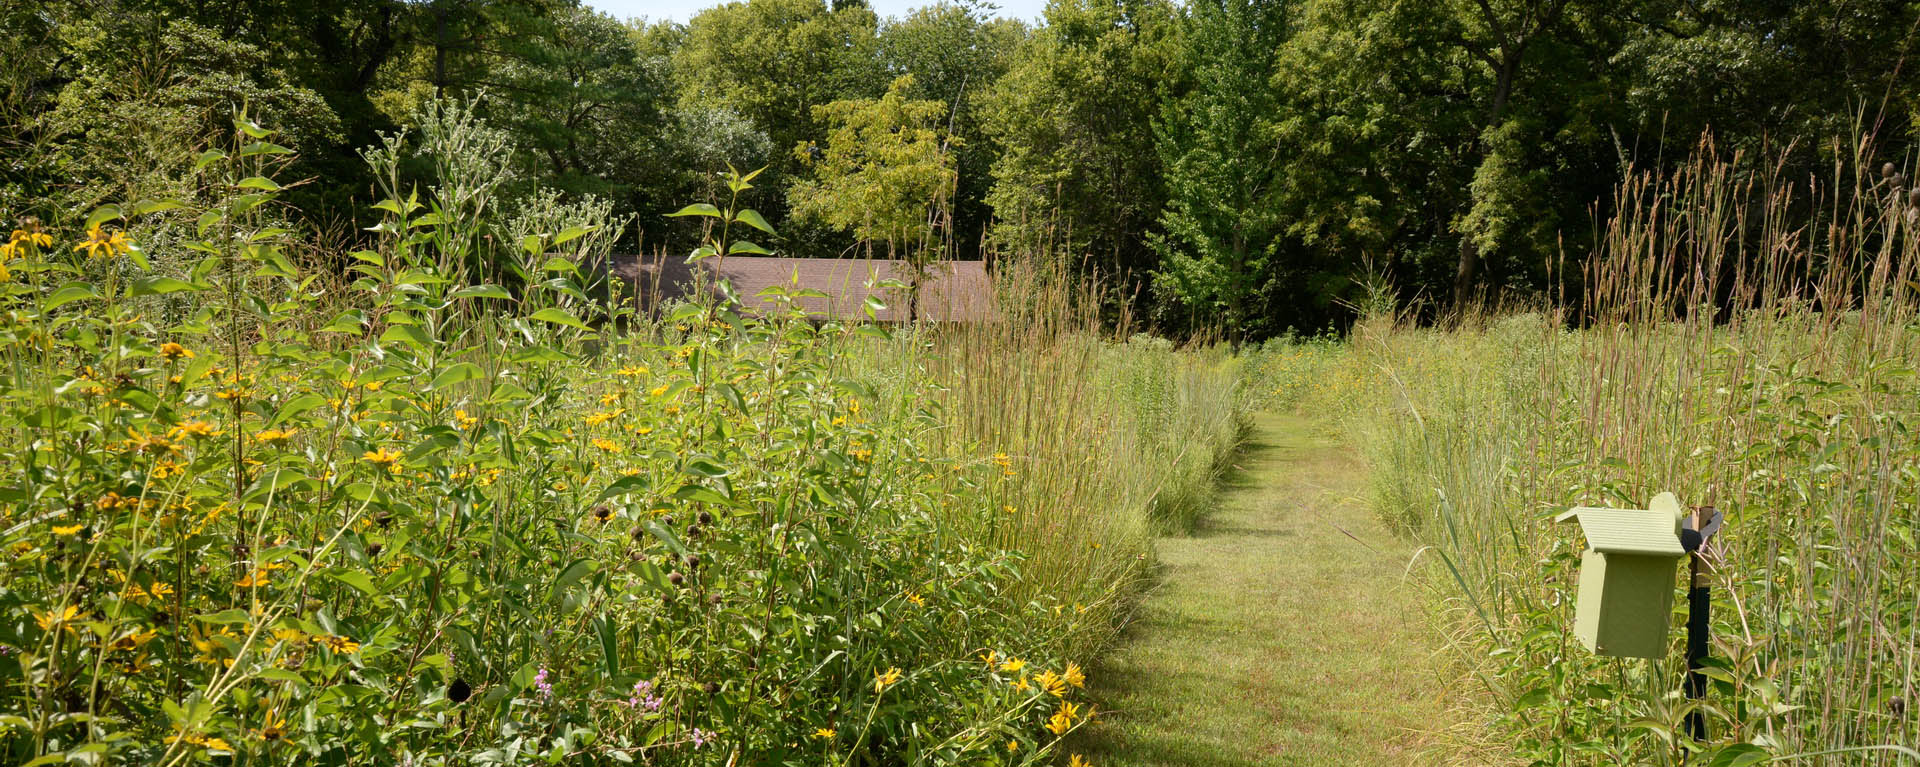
(1743, 340)
(455, 510)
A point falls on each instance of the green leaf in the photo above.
(558, 317)
(578, 569)
(261, 183)
(624, 485)
(458, 373)
(145, 207)
(251, 128)
(208, 157)
(69, 293)
(153, 286)
(1739, 755)
(654, 528)
(752, 218)
(571, 233)
(743, 246)
(104, 214)
(609, 645)
(481, 291)
(228, 617)
(263, 147)
(698, 209)
(408, 334)
(360, 581)
(296, 406)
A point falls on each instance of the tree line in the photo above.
(1234, 165)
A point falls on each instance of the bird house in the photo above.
(1626, 577)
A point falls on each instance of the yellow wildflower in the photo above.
(385, 456)
(917, 600)
(1013, 664)
(173, 351)
(65, 530)
(339, 644)
(274, 436)
(1052, 683)
(102, 244)
(885, 679)
(464, 421)
(825, 733)
(1058, 724)
(1075, 676)
(1079, 761)
(55, 618)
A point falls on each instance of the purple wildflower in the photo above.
(540, 683)
(643, 697)
(700, 737)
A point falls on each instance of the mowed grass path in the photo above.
(1275, 637)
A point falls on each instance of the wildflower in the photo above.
(606, 445)
(464, 421)
(384, 456)
(1059, 724)
(32, 235)
(633, 372)
(339, 644)
(1021, 684)
(373, 385)
(989, 657)
(824, 733)
(602, 417)
(643, 697)
(259, 577)
(917, 600)
(540, 683)
(55, 618)
(274, 436)
(610, 398)
(101, 244)
(151, 444)
(658, 391)
(885, 679)
(1012, 746)
(700, 737)
(1052, 683)
(275, 727)
(232, 392)
(291, 636)
(65, 530)
(1079, 761)
(1013, 664)
(173, 351)
(1075, 676)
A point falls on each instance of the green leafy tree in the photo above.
(885, 172)
(1078, 172)
(1221, 229)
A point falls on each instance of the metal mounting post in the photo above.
(1698, 528)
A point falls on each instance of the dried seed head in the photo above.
(713, 599)
(1886, 170)
(1913, 197)
(639, 533)
(1897, 706)
(676, 578)
(706, 518)
(373, 550)
(693, 562)
(712, 687)
(602, 513)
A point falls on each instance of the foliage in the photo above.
(430, 520)
(885, 173)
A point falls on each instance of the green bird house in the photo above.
(1626, 577)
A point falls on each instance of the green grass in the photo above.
(1282, 631)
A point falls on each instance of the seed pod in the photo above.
(1886, 170)
(1913, 197)
(676, 578)
(693, 531)
(706, 518)
(602, 513)
(712, 687)
(1897, 706)
(693, 561)
(373, 550)
(713, 599)
(639, 533)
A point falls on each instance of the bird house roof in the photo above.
(1628, 531)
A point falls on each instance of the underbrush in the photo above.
(254, 516)
(1774, 381)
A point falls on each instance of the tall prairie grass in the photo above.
(1745, 340)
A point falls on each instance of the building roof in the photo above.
(958, 291)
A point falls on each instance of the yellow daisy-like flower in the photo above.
(658, 391)
(464, 421)
(606, 444)
(65, 530)
(173, 351)
(274, 436)
(824, 733)
(385, 456)
(102, 244)
(1059, 725)
(1012, 746)
(54, 618)
(1079, 761)
(1052, 683)
(339, 644)
(1013, 664)
(917, 600)
(885, 679)
(599, 418)
(633, 371)
(193, 429)
(1075, 676)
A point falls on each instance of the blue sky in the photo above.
(681, 10)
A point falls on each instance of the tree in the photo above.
(885, 173)
(1221, 229)
(1078, 173)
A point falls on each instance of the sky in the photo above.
(681, 10)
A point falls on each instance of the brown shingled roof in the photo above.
(957, 291)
